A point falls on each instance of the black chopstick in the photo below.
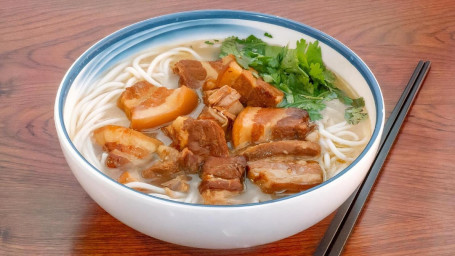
(342, 224)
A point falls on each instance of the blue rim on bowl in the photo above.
(108, 41)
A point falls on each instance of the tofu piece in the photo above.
(124, 145)
(202, 137)
(148, 106)
(275, 175)
(256, 125)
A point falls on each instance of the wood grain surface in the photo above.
(43, 210)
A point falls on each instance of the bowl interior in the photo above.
(208, 25)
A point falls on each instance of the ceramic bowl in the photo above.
(207, 226)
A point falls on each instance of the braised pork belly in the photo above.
(277, 175)
(130, 150)
(125, 146)
(196, 74)
(258, 125)
(148, 106)
(202, 137)
(292, 148)
(222, 178)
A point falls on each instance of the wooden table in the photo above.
(43, 210)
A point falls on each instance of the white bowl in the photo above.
(207, 226)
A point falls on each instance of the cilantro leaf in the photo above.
(230, 46)
(354, 115)
(358, 103)
(316, 72)
(314, 54)
(312, 106)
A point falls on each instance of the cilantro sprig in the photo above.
(300, 73)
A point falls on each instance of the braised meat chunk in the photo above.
(222, 106)
(148, 106)
(202, 137)
(258, 125)
(189, 162)
(274, 175)
(222, 178)
(224, 99)
(125, 146)
(192, 73)
(217, 116)
(196, 74)
(294, 148)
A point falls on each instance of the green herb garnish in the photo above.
(355, 113)
(208, 42)
(268, 35)
(300, 73)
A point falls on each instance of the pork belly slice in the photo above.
(224, 99)
(222, 178)
(254, 91)
(276, 175)
(295, 148)
(132, 150)
(196, 74)
(125, 146)
(258, 125)
(148, 106)
(201, 137)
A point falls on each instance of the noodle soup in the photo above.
(98, 106)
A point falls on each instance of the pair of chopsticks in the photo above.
(342, 224)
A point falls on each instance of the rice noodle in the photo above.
(338, 143)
